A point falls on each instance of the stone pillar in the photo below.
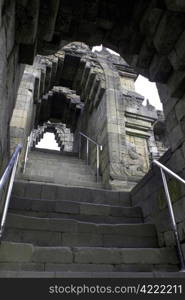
(129, 129)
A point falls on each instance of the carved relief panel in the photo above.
(137, 160)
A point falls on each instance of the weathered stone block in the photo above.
(28, 21)
(174, 187)
(20, 266)
(14, 252)
(27, 53)
(176, 137)
(96, 210)
(67, 207)
(168, 31)
(177, 162)
(175, 5)
(179, 210)
(176, 84)
(97, 255)
(82, 239)
(37, 237)
(48, 192)
(48, 19)
(144, 256)
(52, 255)
(171, 121)
(182, 123)
(87, 227)
(33, 191)
(183, 249)
(181, 230)
(160, 69)
(180, 109)
(79, 267)
(18, 189)
(161, 240)
(177, 56)
(121, 241)
(169, 238)
(150, 20)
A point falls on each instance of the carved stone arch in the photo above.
(92, 93)
(148, 34)
(63, 136)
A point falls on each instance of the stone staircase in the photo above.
(61, 231)
(59, 167)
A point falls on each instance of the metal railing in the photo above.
(9, 172)
(170, 207)
(29, 140)
(98, 149)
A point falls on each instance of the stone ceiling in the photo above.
(143, 32)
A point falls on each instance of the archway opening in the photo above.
(78, 92)
(48, 142)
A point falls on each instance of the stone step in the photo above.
(82, 218)
(76, 267)
(37, 274)
(58, 177)
(50, 157)
(89, 212)
(61, 169)
(40, 274)
(76, 163)
(61, 175)
(68, 232)
(27, 257)
(35, 190)
(65, 182)
(54, 152)
(53, 163)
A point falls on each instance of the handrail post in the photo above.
(174, 226)
(98, 149)
(97, 163)
(26, 155)
(79, 145)
(7, 200)
(87, 152)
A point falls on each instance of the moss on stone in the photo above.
(174, 187)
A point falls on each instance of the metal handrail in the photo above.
(88, 138)
(98, 149)
(29, 140)
(170, 207)
(9, 171)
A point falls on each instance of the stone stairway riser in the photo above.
(35, 190)
(83, 218)
(75, 208)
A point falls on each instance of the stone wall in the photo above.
(10, 75)
(149, 35)
(149, 195)
(149, 192)
(151, 40)
(36, 82)
(119, 122)
(102, 104)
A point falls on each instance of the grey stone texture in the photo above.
(54, 167)
(84, 259)
(72, 232)
(150, 36)
(149, 195)
(59, 244)
(104, 106)
(169, 19)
